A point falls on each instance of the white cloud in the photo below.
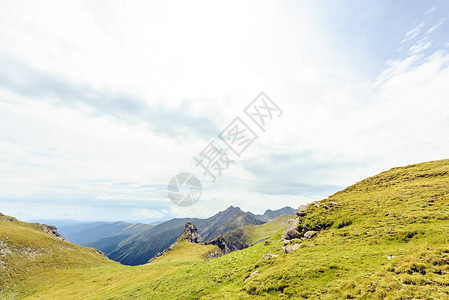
(413, 33)
(91, 157)
(420, 46)
(434, 8)
(436, 26)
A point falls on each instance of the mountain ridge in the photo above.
(137, 247)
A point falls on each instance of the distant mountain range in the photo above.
(136, 243)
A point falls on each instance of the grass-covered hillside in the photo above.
(251, 234)
(31, 257)
(384, 237)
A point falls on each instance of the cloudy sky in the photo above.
(103, 102)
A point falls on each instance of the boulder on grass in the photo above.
(287, 249)
(296, 247)
(309, 234)
(291, 232)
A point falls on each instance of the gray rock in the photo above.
(301, 211)
(287, 249)
(325, 206)
(291, 232)
(333, 203)
(236, 245)
(220, 242)
(296, 247)
(214, 254)
(309, 234)
(99, 252)
(303, 207)
(50, 229)
(191, 233)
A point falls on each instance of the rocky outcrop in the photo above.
(50, 229)
(191, 234)
(291, 232)
(7, 218)
(99, 252)
(290, 248)
(309, 234)
(301, 211)
(220, 242)
(214, 254)
(237, 245)
(296, 231)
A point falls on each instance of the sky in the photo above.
(103, 102)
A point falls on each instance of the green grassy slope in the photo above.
(387, 237)
(35, 264)
(29, 256)
(252, 234)
(188, 252)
